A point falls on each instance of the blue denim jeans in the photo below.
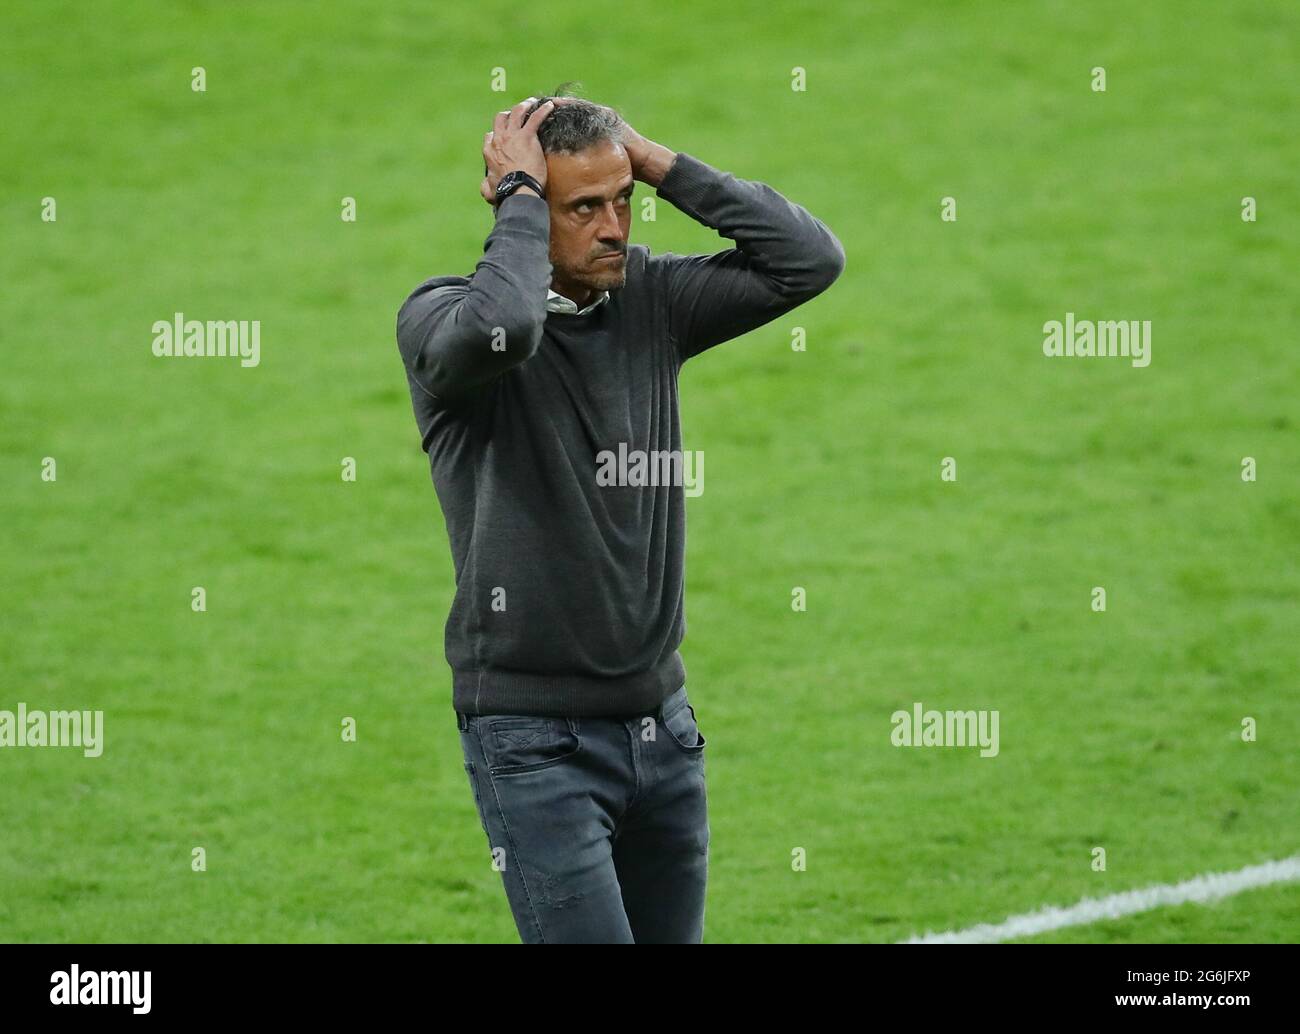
(598, 825)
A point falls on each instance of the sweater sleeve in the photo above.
(457, 336)
(783, 257)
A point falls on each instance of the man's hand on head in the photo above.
(650, 161)
(512, 145)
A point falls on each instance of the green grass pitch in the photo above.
(327, 598)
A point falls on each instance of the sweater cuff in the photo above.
(689, 183)
(525, 212)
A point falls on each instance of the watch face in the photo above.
(507, 183)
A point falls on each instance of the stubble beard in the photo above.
(601, 279)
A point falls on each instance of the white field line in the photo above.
(1208, 887)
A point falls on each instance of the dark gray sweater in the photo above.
(569, 592)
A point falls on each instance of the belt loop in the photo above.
(462, 722)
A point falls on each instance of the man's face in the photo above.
(590, 197)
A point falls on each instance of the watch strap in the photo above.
(512, 181)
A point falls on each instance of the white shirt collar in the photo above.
(559, 303)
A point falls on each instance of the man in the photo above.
(564, 347)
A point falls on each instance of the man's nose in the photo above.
(609, 231)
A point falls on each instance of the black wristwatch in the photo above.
(512, 181)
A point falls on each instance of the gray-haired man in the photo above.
(565, 346)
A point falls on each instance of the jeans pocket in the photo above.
(514, 744)
(683, 729)
(478, 800)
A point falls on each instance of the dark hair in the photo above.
(577, 125)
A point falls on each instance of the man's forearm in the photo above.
(455, 338)
(783, 240)
(783, 256)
